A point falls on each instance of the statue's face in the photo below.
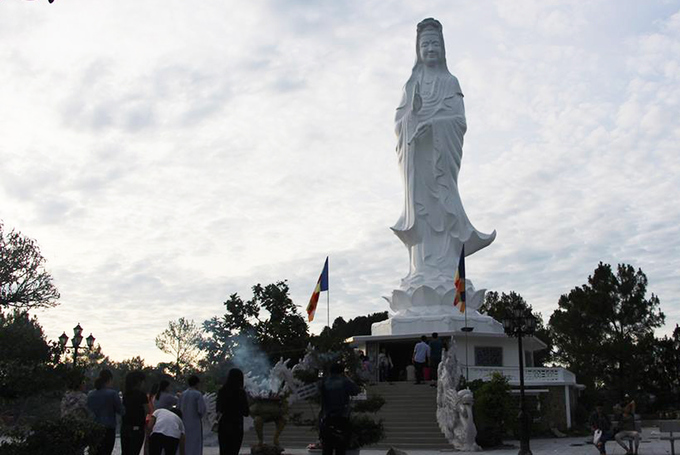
(430, 48)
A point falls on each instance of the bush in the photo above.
(67, 436)
(371, 404)
(365, 431)
(493, 411)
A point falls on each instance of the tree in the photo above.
(27, 360)
(29, 365)
(662, 372)
(269, 320)
(182, 339)
(602, 329)
(500, 306)
(332, 339)
(24, 282)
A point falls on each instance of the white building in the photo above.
(481, 352)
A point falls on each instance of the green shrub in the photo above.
(371, 404)
(493, 411)
(67, 436)
(365, 431)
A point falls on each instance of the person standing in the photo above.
(335, 429)
(164, 399)
(192, 405)
(366, 369)
(167, 432)
(232, 406)
(421, 354)
(384, 365)
(104, 403)
(435, 357)
(149, 414)
(599, 421)
(74, 402)
(136, 406)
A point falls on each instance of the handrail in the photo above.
(531, 374)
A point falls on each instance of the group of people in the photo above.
(385, 365)
(158, 421)
(427, 354)
(624, 429)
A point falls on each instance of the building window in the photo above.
(486, 356)
(528, 359)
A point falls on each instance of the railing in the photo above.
(531, 375)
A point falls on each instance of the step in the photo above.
(409, 418)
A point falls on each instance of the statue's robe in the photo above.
(433, 224)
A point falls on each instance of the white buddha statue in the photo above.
(430, 125)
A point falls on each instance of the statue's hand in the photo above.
(417, 101)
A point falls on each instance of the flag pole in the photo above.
(467, 362)
(465, 329)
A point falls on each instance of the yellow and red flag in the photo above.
(321, 285)
(459, 300)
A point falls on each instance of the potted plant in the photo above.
(365, 431)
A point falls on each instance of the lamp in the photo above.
(90, 341)
(75, 341)
(63, 339)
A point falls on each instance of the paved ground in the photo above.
(651, 445)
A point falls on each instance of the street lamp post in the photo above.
(521, 324)
(75, 342)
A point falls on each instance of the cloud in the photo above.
(166, 155)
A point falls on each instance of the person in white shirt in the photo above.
(167, 432)
(384, 365)
(421, 355)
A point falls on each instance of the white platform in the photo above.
(436, 319)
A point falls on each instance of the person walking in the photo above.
(435, 357)
(192, 405)
(232, 406)
(421, 354)
(136, 405)
(167, 432)
(334, 424)
(104, 403)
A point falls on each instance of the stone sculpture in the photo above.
(430, 125)
(454, 409)
(271, 398)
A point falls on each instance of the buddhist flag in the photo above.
(459, 300)
(321, 285)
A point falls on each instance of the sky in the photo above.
(167, 154)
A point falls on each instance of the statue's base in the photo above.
(449, 320)
(265, 449)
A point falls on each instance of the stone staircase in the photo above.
(409, 417)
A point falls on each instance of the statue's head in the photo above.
(430, 49)
(466, 397)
